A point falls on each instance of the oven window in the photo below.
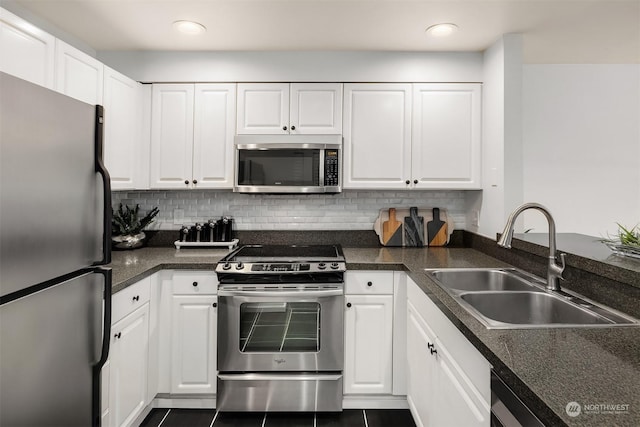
(286, 167)
(280, 327)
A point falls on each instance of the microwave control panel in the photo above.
(331, 168)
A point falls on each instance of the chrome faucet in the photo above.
(554, 270)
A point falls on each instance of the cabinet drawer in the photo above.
(129, 299)
(369, 282)
(195, 282)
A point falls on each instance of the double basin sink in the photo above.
(507, 298)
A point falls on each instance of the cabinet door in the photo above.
(129, 355)
(171, 135)
(78, 75)
(193, 344)
(368, 344)
(214, 118)
(263, 108)
(377, 135)
(105, 377)
(27, 51)
(316, 108)
(446, 136)
(123, 154)
(422, 369)
(458, 402)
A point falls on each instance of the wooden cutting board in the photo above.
(402, 215)
(437, 234)
(392, 230)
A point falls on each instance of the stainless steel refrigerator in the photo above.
(55, 225)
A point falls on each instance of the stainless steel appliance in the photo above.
(288, 164)
(280, 328)
(55, 222)
(507, 410)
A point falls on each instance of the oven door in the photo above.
(276, 330)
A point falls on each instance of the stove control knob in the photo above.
(335, 265)
(322, 266)
(226, 266)
(239, 266)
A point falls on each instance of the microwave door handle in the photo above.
(322, 160)
(275, 293)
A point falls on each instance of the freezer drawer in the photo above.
(289, 392)
(51, 351)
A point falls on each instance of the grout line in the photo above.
(364, 414)
(164, 418)
(215, 416)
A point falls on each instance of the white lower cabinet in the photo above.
(125, 374)
(448, 382)
(368, 336)
(193, 344)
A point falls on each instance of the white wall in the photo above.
(317, 66)
(581, 133)
(501, 137)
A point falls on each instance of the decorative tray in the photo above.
(624, 250)
(232, 244)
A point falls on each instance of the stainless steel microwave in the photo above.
(288, 164)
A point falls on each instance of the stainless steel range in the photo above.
(280, 328)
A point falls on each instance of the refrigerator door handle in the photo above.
(106, 339)
(106, 182)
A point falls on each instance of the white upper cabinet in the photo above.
(263, 108)
(377, 135)
(78, 75)
(412, 136)
(171, 135)
(283, 108)
(26, 51)
(124, 156)
(446, 136)
(316, 108)
(192, 135)
(214, 118)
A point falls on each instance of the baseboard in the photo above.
(206, 401)
(359, 401)
(367, 401)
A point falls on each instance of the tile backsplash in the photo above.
(349, 210)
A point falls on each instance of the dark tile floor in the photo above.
(212, 418)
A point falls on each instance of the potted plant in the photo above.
(626, 242)
(127, 228)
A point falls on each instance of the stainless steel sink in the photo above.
(487, 279)
(530, 308)
(508, 298)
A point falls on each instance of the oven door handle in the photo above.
(280, 377)
(276, 293)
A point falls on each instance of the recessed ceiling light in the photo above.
(189, 27)
(442, 30)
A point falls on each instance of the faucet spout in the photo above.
(554, 270)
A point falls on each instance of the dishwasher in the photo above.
(507, 410)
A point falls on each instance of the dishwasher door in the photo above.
(507, 410)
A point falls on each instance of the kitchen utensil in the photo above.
(413, 228)
(392, 230)
(437, 230)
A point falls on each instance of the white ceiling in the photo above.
(557, 31)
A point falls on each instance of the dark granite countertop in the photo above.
(548, 368)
